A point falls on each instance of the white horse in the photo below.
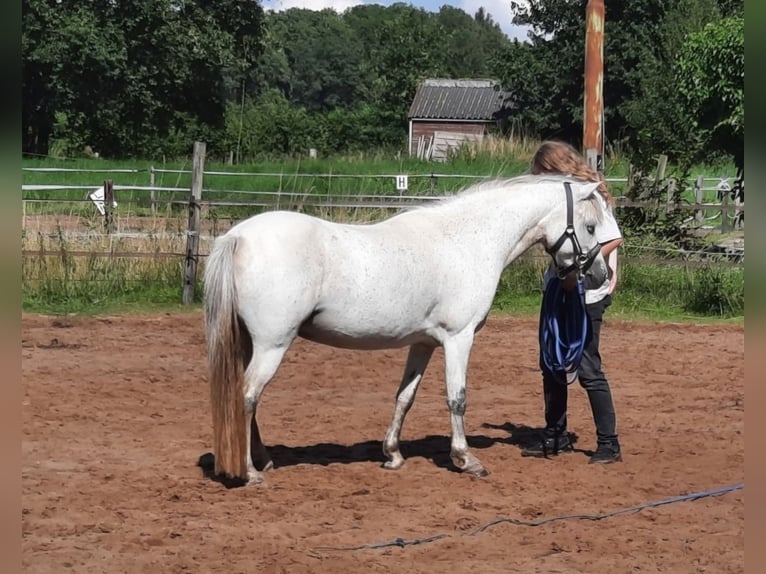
(424, 278)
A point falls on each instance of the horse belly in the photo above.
(330, 329)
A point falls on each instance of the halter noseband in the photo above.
(582, 261)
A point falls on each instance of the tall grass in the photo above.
(649, 291)
(65, 283)
(79, 274)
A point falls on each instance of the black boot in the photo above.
(550, 445)
(606, 453)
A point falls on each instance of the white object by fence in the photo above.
(723, 187)
(97, 197)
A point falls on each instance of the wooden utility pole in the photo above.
(593, 120)
(192, 232)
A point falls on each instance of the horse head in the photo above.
(570, 233)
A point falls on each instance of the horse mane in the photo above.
(514, 184)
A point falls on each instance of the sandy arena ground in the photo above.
(115, 418)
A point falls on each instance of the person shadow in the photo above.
(524, 436)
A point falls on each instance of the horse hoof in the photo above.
(469, 464)
(481, 473)
(254, 480)
(393, 465)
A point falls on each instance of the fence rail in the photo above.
(281, 174)
(348, 200)
(369, 202)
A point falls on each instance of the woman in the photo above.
(561, 158)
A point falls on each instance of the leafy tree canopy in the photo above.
(145, 77)
(711, 68)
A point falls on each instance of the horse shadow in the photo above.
(435, 448)
(432, 447)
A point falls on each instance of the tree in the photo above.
(314, 58)
(657, 119)
(731, 8)
(125, 76)
(401, 45)
(530, 77)
(711, 74)
(468, 45)
(72, 57)
(641, 38)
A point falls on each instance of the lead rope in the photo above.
(563, 329)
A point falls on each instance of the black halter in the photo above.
(582, 261)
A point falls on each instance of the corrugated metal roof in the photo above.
(458, 100)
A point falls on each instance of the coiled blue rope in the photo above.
(563, 328)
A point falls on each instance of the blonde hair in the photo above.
(560, 157)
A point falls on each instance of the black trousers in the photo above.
(592, 379)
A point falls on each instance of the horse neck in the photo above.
(507, 221)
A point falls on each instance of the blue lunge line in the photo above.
(563, 328)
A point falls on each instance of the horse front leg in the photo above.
(457, 350)
(417, 361)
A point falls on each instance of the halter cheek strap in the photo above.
(582, 261)
(564, 317)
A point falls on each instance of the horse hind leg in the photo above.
(259, 456)
(417, 361)
(261, 370)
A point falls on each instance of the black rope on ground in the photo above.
(629, 510)
(401, 543)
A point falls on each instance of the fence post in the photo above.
(192, 232)
(152, 194)
(725, 213)
(739, 199)
(699, 214)
(662, 164)
(671, 202)
(109, 205)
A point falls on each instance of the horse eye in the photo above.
(591, 229)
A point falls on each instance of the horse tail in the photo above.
(225, 360)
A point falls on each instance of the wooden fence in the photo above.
(725, 213)
(728, 208)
